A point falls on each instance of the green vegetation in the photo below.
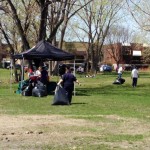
(98, 102)
(95, 96)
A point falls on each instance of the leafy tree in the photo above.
(146, 55)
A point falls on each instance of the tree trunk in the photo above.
(19, 26)
(43, 20)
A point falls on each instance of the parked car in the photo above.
(80, 70)
(6, 64)
(17, 66)
(106, 68)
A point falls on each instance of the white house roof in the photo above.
(137, 53)
(126, 44)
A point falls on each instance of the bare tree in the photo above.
(37, 20)
(97, 17)
(59, 15)
(15, 22)
(116, 38)
(11, 49)
(140, 11)
(19, 25)
(72, 8)
(45, 18)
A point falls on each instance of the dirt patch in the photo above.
(45, 132)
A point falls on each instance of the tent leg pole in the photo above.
(57, 72)
(22, 72)
(74, 75)
(11, 76)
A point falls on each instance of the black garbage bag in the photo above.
(27, 91)
(60, 97)
(116, 82)
(39, 90)
(119, 81)
(51, 86)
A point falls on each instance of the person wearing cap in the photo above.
(134, 76)
(67, 81)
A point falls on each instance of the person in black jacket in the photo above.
(44, 76)
(67, 81)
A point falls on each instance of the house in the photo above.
(124, 53)
(78, 49)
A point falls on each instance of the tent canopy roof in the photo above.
(45, 51)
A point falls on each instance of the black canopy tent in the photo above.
(44, 51)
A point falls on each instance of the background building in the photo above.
(127, 54)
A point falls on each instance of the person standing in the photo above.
(67, 81)
(120, 70)
(30, 72)
(134, 76)
(38, 72)
(44, 76)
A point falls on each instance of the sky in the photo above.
(127, 21)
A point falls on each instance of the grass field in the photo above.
(102, 115)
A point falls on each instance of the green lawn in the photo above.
(95, 96)
(96, 101)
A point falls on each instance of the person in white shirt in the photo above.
(38, 72)
(120, 70)
(134, 76)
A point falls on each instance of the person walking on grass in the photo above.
(134, 76)
(67, 82)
